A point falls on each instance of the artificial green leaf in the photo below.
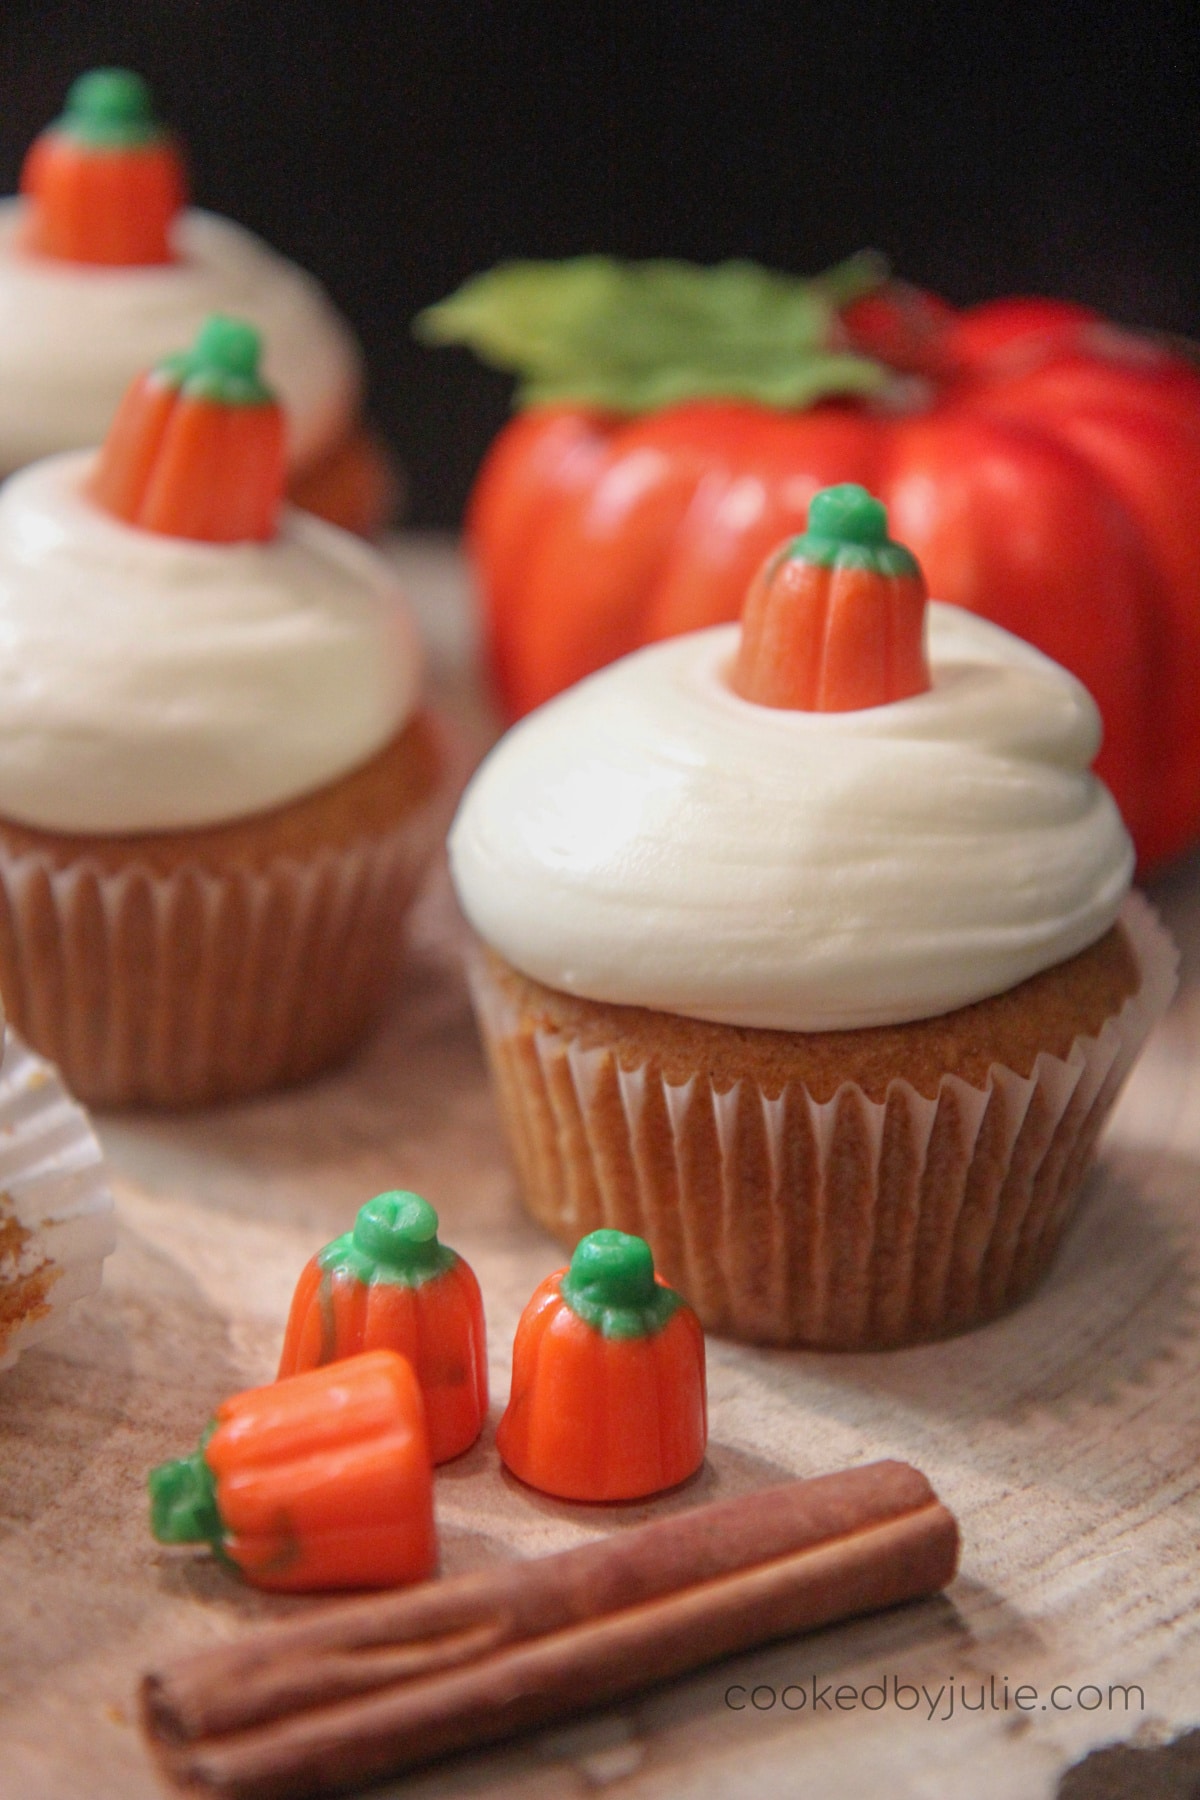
(638, 336)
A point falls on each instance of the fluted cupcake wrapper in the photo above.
(846, 1224)
(172, 990)
(56, 1213)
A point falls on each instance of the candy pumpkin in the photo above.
(1043, 465)
(196, 449)
(321, 1481)
(608, 1382)
(105, 181)
(835, 620)
(389, 1284)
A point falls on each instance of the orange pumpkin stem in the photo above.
(105, 181)
(389, 1284)
(322, 1481)
(835, 620)
(608, 1384)
(197, 448)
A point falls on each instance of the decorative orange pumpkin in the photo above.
(105, 181)
(389, 1284)
(1043, 465)
(322, 1481)
(196, 449)
(608, 1384)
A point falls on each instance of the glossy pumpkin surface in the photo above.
(390, 1285)
(320, 1481)
(608, 1397)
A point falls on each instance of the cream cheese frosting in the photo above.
(74, 335)
(155, 683)
(649, 838)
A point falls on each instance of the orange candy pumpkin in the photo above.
(323, 1481)
(105, 181)
(608, 1386)
(835, 620)
(196, 449)
(389, 1283)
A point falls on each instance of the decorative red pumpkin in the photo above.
(1042, 465)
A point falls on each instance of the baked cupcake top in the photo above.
(74, 333)
(652, 838)
(156, 677)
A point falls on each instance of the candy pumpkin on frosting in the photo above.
(835, 620)
(196, 449)
(105, 181)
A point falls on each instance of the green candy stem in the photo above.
(221, 365)
(847, 529)
(110, 109)
(394, 1238)
(183, 1501)
(610, 1285)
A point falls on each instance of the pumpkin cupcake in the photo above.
(808, 951)
(104, 269)
(218, 786)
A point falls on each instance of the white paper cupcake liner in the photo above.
(848, 1223)
(56, 1212)
(177, 989)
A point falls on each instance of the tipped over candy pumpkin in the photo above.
(105, 181)
(321, 1481)
(196, 449)
(835, 619)
(389, 1284)
(608, 1384)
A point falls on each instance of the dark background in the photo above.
(394, 149)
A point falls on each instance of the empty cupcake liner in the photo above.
(56, 1212)
(845, 1224)
(173, 990)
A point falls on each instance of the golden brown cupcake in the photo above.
(809, 959)
(218, 787)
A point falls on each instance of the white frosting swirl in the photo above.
(150, 683)
(74, 335)
(652, 839)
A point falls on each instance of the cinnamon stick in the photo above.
(373, 1686)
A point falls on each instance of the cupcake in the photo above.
(808, 953)
(104, 269)
(218, 786)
